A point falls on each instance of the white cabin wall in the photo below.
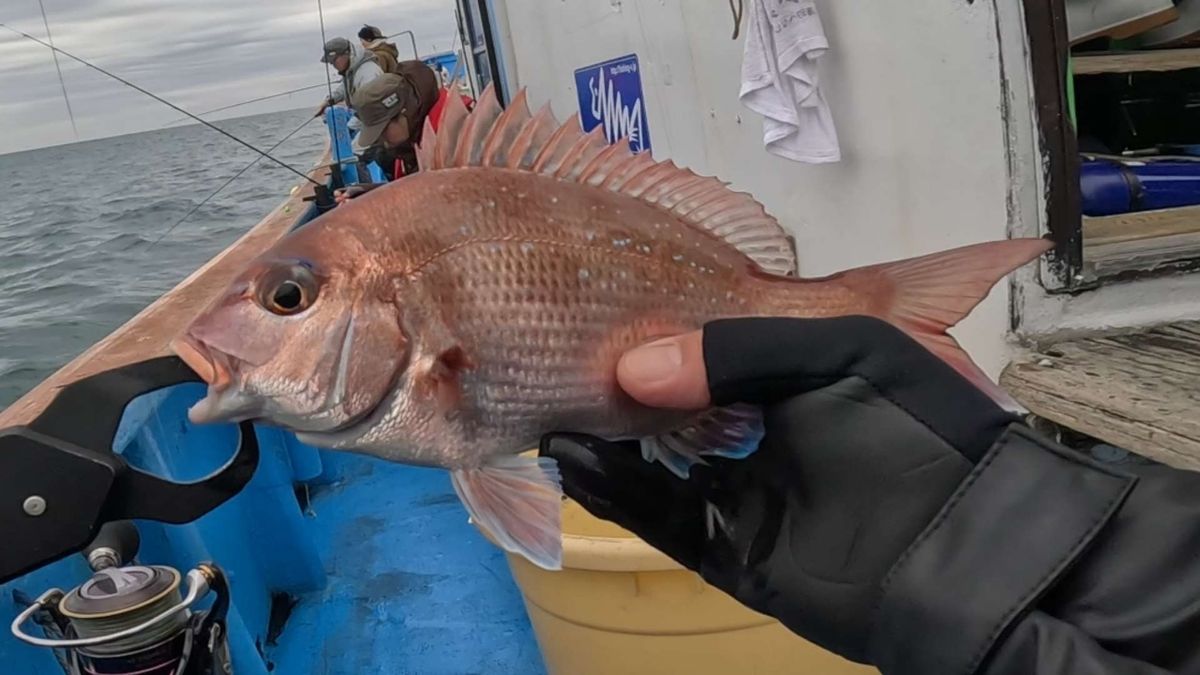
(915, 90)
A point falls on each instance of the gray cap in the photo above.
(335, 47)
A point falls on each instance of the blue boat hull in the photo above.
(367, 566)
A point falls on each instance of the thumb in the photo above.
(667, 373)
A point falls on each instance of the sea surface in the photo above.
(78, 224)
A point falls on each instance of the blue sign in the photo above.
(610, 94)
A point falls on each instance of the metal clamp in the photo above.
(197, 584)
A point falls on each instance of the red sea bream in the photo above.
(455, 316)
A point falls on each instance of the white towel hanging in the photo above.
(784, 41)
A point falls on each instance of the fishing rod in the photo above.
(57, 67)
(337, 156)
(159, 99)
(226, 184)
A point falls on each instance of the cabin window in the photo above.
(1118, 102)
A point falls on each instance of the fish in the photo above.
(453, 317)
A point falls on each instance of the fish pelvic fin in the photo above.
(732, 432)
(518, 502)
(928, 295)
(513, 138)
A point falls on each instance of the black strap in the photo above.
(1012, 529)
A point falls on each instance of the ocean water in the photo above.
(77, 224)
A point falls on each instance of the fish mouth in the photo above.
(222, 402)
(202, 359)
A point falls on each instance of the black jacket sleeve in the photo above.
(1046, 561)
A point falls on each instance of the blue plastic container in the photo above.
(1108, 187)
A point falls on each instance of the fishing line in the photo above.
(298, 90)
(242, 103)
(62, 83)
(226, 184)
(159, 99)
(329, 83)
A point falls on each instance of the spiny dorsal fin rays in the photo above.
(512, 138)
(426, 146)
(549, 158)
(606, 163)
(504, 132)
(620, 178)
(532, 138)
(475, 131)
(582, 151)
(451, 129)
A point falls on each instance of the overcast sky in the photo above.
(199, 54)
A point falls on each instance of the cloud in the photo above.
(199, 55)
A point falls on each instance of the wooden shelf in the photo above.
(1138, 391)
(1146, 239)
(1140, 225)
(1157, 60)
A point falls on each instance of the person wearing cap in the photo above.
(386, 53)
(393, 109)
(357, 67)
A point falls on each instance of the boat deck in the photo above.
(412, 587)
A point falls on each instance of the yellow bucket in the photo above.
(620, 607)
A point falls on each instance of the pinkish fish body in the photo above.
(454, 317)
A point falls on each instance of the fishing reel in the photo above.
(130, 618)
(69, 492)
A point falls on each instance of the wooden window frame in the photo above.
(1070, 271)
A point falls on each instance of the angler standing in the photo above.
(356, 66)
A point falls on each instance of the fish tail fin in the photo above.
(926, 296)
(518, 502)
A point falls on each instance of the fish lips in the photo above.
(224, 402)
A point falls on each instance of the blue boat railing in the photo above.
(337, 121)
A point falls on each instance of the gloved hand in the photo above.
(867, 436)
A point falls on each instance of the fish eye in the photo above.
(288, 290)
(288, 297)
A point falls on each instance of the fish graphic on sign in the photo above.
(610, 94)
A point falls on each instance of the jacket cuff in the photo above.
(1014, 526)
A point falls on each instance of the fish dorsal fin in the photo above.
(515, 139)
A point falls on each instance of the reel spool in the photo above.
(134, 619)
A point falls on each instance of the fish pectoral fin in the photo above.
(440, 377)
(518, 501)
(733, 432)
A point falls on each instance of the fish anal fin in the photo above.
(518, 502)
(540, 144)
(733, 432)
(927, 295)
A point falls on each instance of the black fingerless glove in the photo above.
(868, 438)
